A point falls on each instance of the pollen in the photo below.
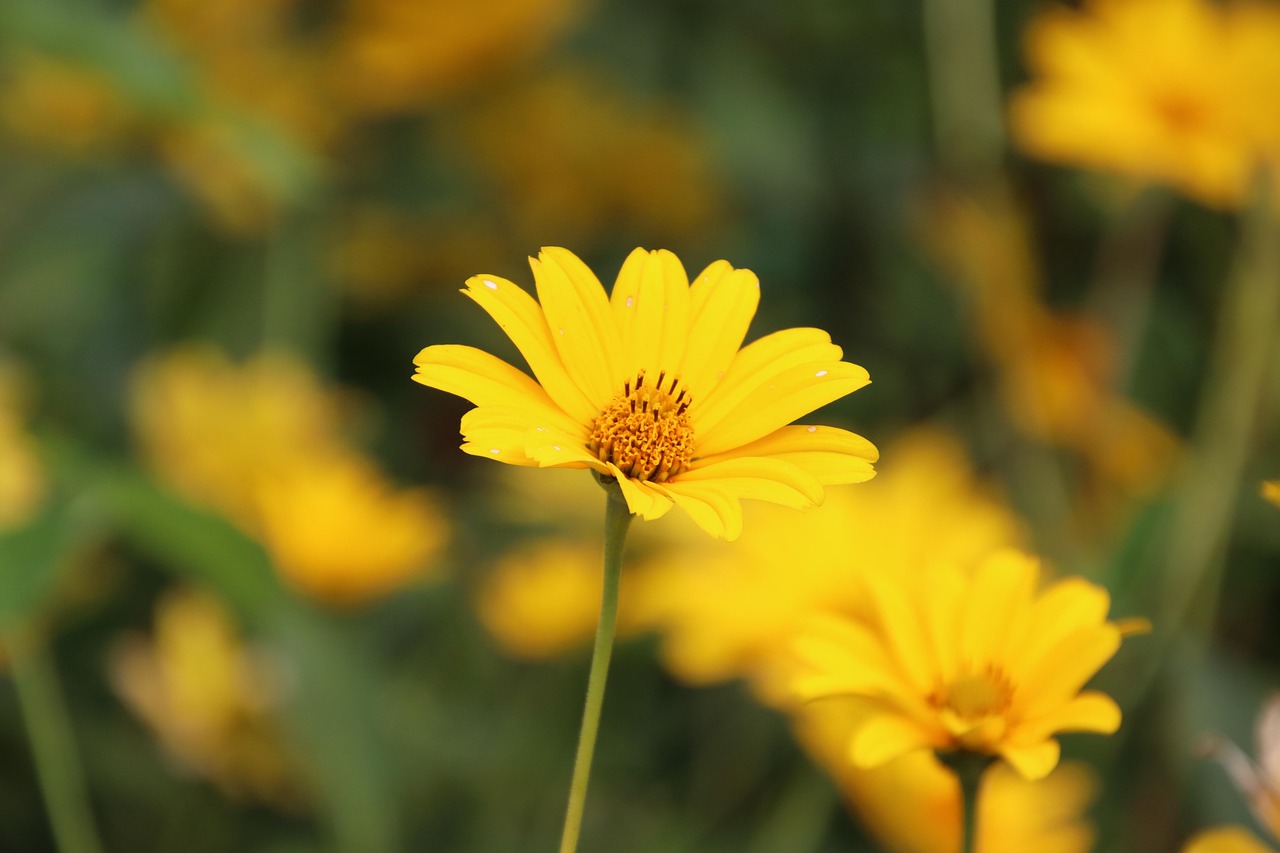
(975, 696)
(646, 430)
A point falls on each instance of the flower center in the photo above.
(646, 430)
(972, 697)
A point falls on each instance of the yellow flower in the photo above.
(585, 159)
(1271, 491)
(394, 55)
(544, 599)
(1226, 839)
(730, 612)
(648, 387)
(969, 661)
(262, 443)
(206, 697)
(61, 106)
(340, 533)
(22, 477)
(912, 803)
(1181, 92)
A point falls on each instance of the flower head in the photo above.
(648, 387)
(969, 661)
(1181, 92)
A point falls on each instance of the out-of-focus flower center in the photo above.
(1181, 113)
(646, 430)
(972, 708)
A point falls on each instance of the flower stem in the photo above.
(616, 521)
(968, 768)
(45, 715)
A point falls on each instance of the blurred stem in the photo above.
(1126, 273)
(1247, 328)
(964, 87)
(617, 519)
(968, 768)
(44, 714)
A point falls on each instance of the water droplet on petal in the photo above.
(492, 285)
(495, 451)
(811, 429)
(555, 447)
(820, 373)
(630, 301)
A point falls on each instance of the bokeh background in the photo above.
(254, 598)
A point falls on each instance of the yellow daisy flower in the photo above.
(978, 662)
(648, 387)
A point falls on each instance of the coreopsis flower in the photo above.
(912, 803)
(731, 612)
(648, 387)
(263, 443)
(1178, 92)
(968, 661)
(208, 697)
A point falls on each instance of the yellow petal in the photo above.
(1069, 606)
(483, 379)
(714, 511)
(723, 302)
(773, 404)
(524, 323)
(1061, 674)
(759, 478)
(582, 326)
(1091, 711)
(642, 498)
(903, 631)
(1000, 592)
(557, 449)
(833, 456)
(759, 362)
(1033, 762)
(650, 301)
(884, 738)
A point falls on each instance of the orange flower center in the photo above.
(973, 697)
(646, 430)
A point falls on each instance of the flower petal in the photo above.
(714, 511)
(834, 456)
(553, 448)
(491, 432)
(522, 319)
(758, 363)
(1035, 761)
(1061, 674)
(483, 379)
(723, 302)
(1091, 711)
(771, 405)
(642, 498)
(760, 478)
(651, 303)
(582, 326)
(884, 738)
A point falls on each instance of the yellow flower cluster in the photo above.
(261, 442)
(1178, 92)
(206, 697)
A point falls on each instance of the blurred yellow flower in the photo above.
(543, 599)
(340, 533)
(975, 661)
(57, 105)
(22, 477)
(206, 697)
(394, 55)
(215, 430)
(585, 158)
(731, 612)
(1182, 92)
(912, 803)
(1271, 491)
(1226, 839)
(263, 443)
(650, 389)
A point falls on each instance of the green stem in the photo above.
(1234, 390)
(45, 715)
(968, 768)
(616, 521)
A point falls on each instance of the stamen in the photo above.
(646, 432)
